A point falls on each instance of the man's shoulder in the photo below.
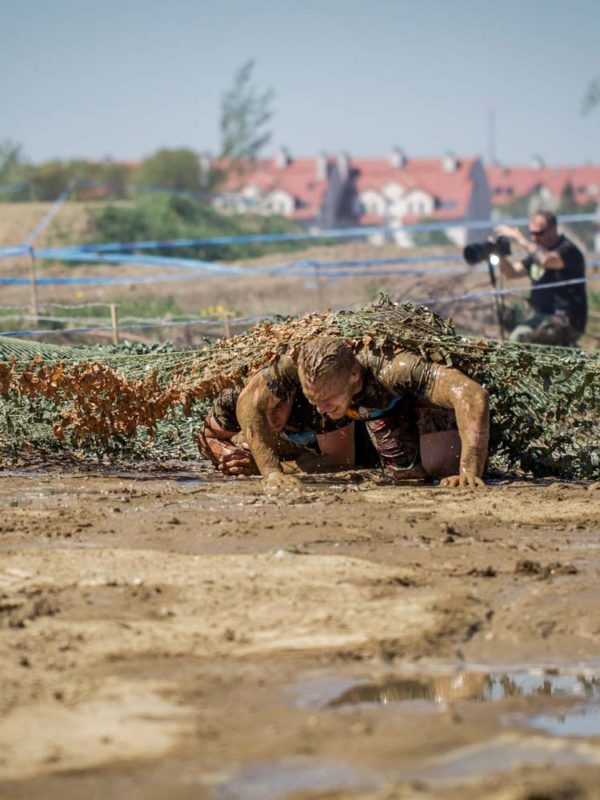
(568, 248)
(396, 370)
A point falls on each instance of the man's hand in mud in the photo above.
(276, 482)
(237, 461)
(466, 480)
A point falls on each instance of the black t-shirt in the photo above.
(545, 298)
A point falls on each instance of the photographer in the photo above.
(559, 310)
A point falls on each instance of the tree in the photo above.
(245, 115)
(592, 96)
(13, 167)
(176, 169)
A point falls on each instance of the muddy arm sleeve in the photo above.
(470, 401)
(262, 441)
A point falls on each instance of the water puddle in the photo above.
(464, 685)
(274, 779)
(582, 721)
(502, 755)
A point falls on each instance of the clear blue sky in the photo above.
(125, 77)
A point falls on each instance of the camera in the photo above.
(481, 251)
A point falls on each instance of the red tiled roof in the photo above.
(451, 190)
(298, 179)
(508, 183)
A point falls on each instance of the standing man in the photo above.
(559, 308)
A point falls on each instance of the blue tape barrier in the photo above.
(201, 269)
(147, 260)
(115, 280)
(21, 250)
(344, 233)
(41, 226)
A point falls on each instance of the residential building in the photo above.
(543, 186)
(310, 191)
(401, 191)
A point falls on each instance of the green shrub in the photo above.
(161, 217)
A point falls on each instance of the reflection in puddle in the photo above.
(271, 780)
(580, 721)
(464, 685)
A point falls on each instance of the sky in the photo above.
(123, 78)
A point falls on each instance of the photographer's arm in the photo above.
(508, 267)
(548, 259)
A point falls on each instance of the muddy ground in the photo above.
(178, 636)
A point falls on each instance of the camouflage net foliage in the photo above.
(545, 401)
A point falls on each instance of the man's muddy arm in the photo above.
(251, 413)
(470, 402)
(217, 444)
(251, 408)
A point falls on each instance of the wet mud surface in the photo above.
(174, 635)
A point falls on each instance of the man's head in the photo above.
(543, 228)
(329, 374)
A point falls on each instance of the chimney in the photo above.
(537, 162)
(343, 164)
(205, 161)
(283, 158)
(450, 162)
(398, 158)
(322, 166)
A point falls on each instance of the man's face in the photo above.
(277, 415)
(332, 396)
(540, 232)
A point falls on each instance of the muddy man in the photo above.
(426, 420)
(313, 443)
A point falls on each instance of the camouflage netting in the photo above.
(545, 401)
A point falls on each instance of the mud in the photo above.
(177, 635)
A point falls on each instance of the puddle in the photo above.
(582, 721)
(271, 780)
(501, 755)
(465, 685)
